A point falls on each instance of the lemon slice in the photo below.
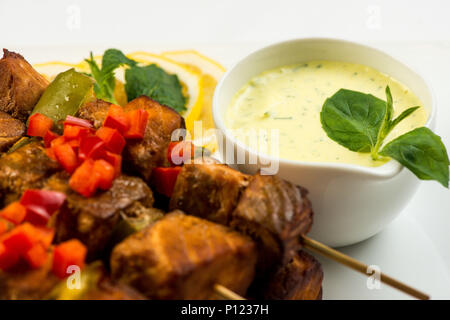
(211, 71)
(198, 62)
(191, 80)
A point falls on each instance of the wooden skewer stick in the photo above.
(226, 293)
(338, 257)
(359, 266)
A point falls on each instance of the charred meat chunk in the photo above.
(93, 220)
(20, 85)
(209, 191)
(274, 212)
(144, 155)
(94, 111)
(26, 168)
(11, 130)
(182, 257)
(299, 279)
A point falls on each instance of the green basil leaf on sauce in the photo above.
(422, 152)
(353, 119)
(402, 116)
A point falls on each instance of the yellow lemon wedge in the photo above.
(211, 71)
(191, 80)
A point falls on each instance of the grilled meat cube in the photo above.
(299, 279)
(150, 152)
(20, 85)
(182, 257)
(26, 168)
(92, 220)
(274, 213)
(209, 191)
(94, 111)
(27, 284)
(11, 130)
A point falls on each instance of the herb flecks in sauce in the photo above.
(259, 106)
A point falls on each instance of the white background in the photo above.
(416, 247)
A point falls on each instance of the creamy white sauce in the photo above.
(290, 99)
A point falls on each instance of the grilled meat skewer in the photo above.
(299, 279)
(273, 212)
(26, 168)
(11, 130)
(208, 190)
(93, 220)
(182, 257)
(20, 85)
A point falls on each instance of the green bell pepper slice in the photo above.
(64, 96)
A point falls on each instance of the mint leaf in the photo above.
(402, 116)
(113, 58)
(389, 104)
(388, 123)
(104, 76)
(353, 119)
(422, 152)
(155, 83)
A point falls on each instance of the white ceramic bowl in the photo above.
(351, 203)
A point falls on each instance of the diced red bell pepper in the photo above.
(92, 147)
(21, 239)
(50, 153)
(75, 132)
(66, 254)
(84, 180)
(138, 122)
(75, 144)
(106, 173)
(164, 179)
(58, 141)
(14, 212)
(66, 157)
(51, 201)
(36, 256)
(180, 152)
(38, 125)
(113, 139)
(70, 120)
(5, 226)
(8, 258)
(45, 235)
(117, 119)
(116, 161)
(49, 137)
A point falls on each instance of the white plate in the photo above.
(415, 247)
